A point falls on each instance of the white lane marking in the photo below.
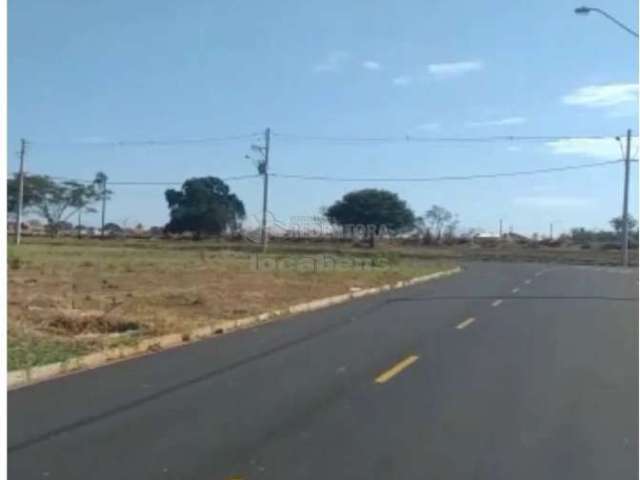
(537, 274)
(527, 282)
(496, 303)
(515, 290)
(466, 323)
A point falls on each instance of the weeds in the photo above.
(173, 287)
(15, 262)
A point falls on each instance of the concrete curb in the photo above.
(28, 376)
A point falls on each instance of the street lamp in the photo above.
(586, 10)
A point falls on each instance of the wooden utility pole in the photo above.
(23, 145)
(264, 170)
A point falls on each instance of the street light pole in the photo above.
(587, 10)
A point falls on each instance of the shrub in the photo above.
(15, 263)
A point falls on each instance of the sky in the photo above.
(85, 76)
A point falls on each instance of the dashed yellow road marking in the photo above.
(396, 369)
(496, 303)
(466, 323)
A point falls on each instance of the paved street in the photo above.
(504, 371)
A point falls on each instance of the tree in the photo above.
(54, 201)
(441, 221)
(34, 188)
(62, 200)
(100, 182)
(204, 206)
(618, 224)
(584, 235)
(371, 211)
(450, 228)
(112, 228)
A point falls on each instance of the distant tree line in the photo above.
(206, 206)
(584, 235)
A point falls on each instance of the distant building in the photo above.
(29, 227)
(487, 236)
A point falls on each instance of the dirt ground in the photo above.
(69, 297)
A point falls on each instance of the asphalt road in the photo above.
(504, 371)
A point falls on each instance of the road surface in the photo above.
(504, 371)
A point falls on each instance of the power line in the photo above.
(410, 138)
(447, 178)
(151, 142)
(142, 183)
(225, 179)
(328, 139)
(369, 179)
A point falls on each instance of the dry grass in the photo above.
(68, 297)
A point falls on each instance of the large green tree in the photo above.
(204, 206)
(372, 210)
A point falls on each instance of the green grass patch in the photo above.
(26, 351)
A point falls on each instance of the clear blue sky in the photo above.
(89, 72)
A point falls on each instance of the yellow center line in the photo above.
(466, 323)
(396, 369)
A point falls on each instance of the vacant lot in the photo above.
(69, 297)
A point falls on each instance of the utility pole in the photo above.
(551, 231)
(625, 204)
(500, 228)
(264, 170)
(104, 205)
(23, 144)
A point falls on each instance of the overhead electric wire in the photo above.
(150, 142)
(142, 183)
(433, 139)
(371, 179)
(445, 178)
(345, 140)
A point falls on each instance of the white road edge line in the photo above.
(496, 303)
(466, 323)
